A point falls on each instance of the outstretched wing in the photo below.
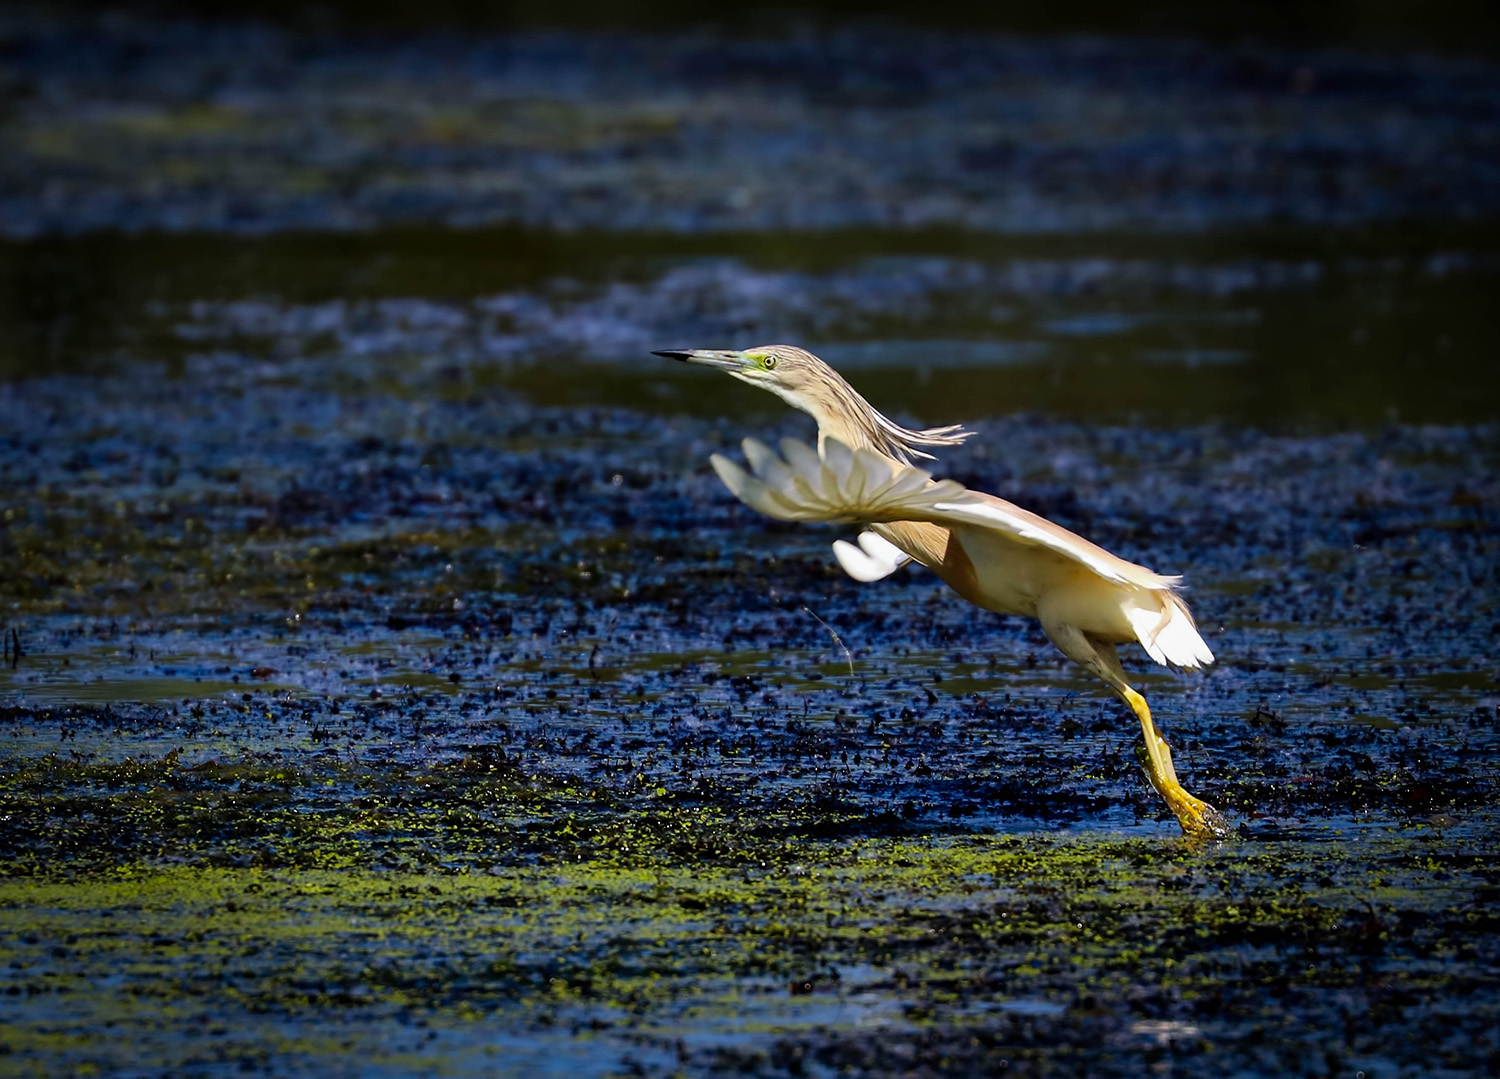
(867, 487)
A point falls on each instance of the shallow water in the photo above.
(1284, 329)
(389, 685)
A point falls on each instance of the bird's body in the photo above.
(994, 554)
(992, 571)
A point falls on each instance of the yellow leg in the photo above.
(1198, 819)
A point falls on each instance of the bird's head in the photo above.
(807, 383)
(793, 374)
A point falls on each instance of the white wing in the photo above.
(1169, 635)
(864, 486)
(874, 559)
(867, 487)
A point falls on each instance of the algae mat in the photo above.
(965, 955)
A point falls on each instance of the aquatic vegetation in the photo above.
(1034, 948)
(466, 729)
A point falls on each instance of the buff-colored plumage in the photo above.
(995, 554)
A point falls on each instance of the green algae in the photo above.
(578, 897)
(493, 906)
(926, 930)
(163, 558)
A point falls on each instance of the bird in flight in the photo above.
(994, 554)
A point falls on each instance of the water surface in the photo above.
(389, 686)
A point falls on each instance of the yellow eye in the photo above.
(768, 363)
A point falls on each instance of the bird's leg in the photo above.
(1157, 749)
(1197, 818)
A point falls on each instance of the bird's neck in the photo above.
(854, 435)
(844, 415)
(847, 417)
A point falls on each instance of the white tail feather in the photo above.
(1169, 635)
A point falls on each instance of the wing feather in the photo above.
(874, 559)
(870, 488)
(806, 464)
(877, 546)
(838, 470)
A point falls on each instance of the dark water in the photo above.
(1284, 329)
(389, 685)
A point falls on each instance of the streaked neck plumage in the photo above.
(841, 413)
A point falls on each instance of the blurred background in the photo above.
(1280, 215)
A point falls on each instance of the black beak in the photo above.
(723, 359)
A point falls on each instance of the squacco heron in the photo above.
(994, 554)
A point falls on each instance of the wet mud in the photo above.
(390, 688)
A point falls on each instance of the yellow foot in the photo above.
(1198, 819)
